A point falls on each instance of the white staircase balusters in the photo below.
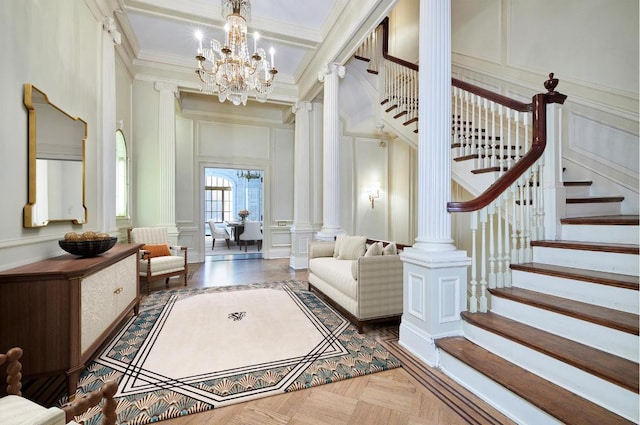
(484, 136)
(502, 161)
(509, 146)
(494, 161)
(522, 220)
(483, 262)
(540, 192)
(514, 224)
(473, 298)
(528, 207)
(506, 252)
(500, 253)
(492, 258)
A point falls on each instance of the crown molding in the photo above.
(356, 21)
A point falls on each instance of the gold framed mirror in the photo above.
(56, 162)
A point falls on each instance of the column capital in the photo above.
(164, 85)
(301, 106)
(109, 26)
(331, 68)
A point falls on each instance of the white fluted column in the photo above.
(331, 152)
(110, 38)
(167, 155)
(301, 230)
(434, 271)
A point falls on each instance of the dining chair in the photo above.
(252, 232)
(219, 231)
(15, 409)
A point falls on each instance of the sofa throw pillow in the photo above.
(374, 249)
(390, 249)
(337, 245)
(352, 247)
(160, 250)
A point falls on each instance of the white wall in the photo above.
(510, 46)
(56, 46)
(371, 169)
(403, 30)
(403, 164)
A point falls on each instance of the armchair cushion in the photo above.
(159, 250)
(20, 411)
(162, 265)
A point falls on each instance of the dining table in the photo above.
(237, 227)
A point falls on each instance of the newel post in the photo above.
(554, 192)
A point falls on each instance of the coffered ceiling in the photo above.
(158, 37)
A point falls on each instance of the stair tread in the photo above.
(590, 246)
(595, 199)
(617, 370)
(592, 276)
(551, 398)
(621, 220)
(614, 319)
(578, 183)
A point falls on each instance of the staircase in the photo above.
(561, 344)
(558, 341)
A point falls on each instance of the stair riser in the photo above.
(610, 262)
(601, 392)
(604, 234)
(577, 191)
(592, 293)
(519, 410)
(593, 209)
(606, 339)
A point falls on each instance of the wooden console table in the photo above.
(62, 309)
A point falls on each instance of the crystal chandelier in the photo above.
(228, 69)
(249, 175)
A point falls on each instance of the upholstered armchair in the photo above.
(252, 232)
(16, 410)
(219, 231)
(158, 259)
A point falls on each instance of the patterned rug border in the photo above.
(361, 354)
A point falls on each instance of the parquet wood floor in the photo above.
(412, 395)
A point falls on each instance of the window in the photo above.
(218, 203)
(122, 181)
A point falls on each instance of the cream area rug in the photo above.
(193, 350)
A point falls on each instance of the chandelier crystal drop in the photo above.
(228, 69)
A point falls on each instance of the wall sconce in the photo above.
(373, 194)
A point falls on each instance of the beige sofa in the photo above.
(364, 285)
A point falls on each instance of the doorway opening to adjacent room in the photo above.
(231, 197)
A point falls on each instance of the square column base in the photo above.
(435, 293)
(300, 238)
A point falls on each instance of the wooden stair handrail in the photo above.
(539, 102)
(538, 107)
(484, 93)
